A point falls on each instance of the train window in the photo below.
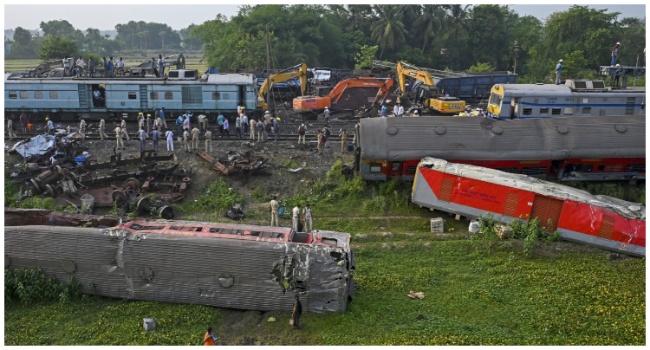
(528, 111)
(543, 111)
(216, 96)
(586, 110)
(495, 99)
(585, 168)
(635, 167)
(38, 94)
(133, 95)
(556, 111)
(54, 95)
(395, 166)
(601, 167)
(169, 95)
(191, 94)
(375, 168)
(186, 228)
(23, 95)
(568, 111)
(13, 95)
(226, 231)
(153, 95)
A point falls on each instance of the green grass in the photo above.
(476, 291)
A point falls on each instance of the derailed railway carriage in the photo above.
(578, 216)
(67, 98)
(224, 265)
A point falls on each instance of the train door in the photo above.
(99, 95)
(395, 169)
(548, 211)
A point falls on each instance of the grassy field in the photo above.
(477, 291)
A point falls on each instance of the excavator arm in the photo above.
(358, 82)
(298, 71)
(404, 70)
(427, 94)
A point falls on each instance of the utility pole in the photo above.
(268, 68)
(516, 50)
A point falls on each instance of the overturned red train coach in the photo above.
(225, 265)
(577, 215)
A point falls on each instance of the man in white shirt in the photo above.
(295, 216)
(306, 214)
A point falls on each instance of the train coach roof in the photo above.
(474, 138)
(236, 78)
(527, 183)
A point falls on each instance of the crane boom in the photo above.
(298, 71)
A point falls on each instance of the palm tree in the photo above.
(458, 18)
(431, 21)
(388, 31)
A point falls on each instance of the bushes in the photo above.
(28, 286)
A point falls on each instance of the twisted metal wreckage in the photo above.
(224, 265)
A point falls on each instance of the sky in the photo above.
(29, 14)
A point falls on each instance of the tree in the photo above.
(429, 23)
(56, 47)
(388, 31)
(365, 56)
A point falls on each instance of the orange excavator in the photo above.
(348, 95)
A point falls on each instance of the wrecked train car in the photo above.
(599, 148)
(224, 265)
(578, 216)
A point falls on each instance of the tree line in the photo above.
(452, 37)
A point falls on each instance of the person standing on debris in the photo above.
(82, 128)
(50, 126)
(155, 135)
(344, 139)
(320, 139)
(142, 135)
(295, 218)
(209, 338)
(306, 216)
(208, 141)
(326, 115)
(186, 140)
(302, 130)
(170, 140)
(275, 205)
(226, 127)
(326, 135)
(195, 138)
(10, 129)
(123, 126)
(253, 127)
(296, 313)
(118, 136)
(558, 72)
(615, 51)
(200, 119)
(238, 126)
(24, 121)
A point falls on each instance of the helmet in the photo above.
(326, 107)
(140, 113)
(278, 118)
(618, 43)
(618, 65)
(148, 114)
(47, 118)
(561, 60)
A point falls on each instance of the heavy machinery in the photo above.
(426, 94)
(298, 71)
(346, 96)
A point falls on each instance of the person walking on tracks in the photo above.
(102, 127)
(118, 136)
(275, 205)
(302, 130)
(142, 135)
(253, 127)
(155, 135)
(24, 121)
(123, 126)
(320, 139)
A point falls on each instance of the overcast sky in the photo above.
(27, 15)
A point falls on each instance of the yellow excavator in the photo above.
(427, 95)
(298, 71)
